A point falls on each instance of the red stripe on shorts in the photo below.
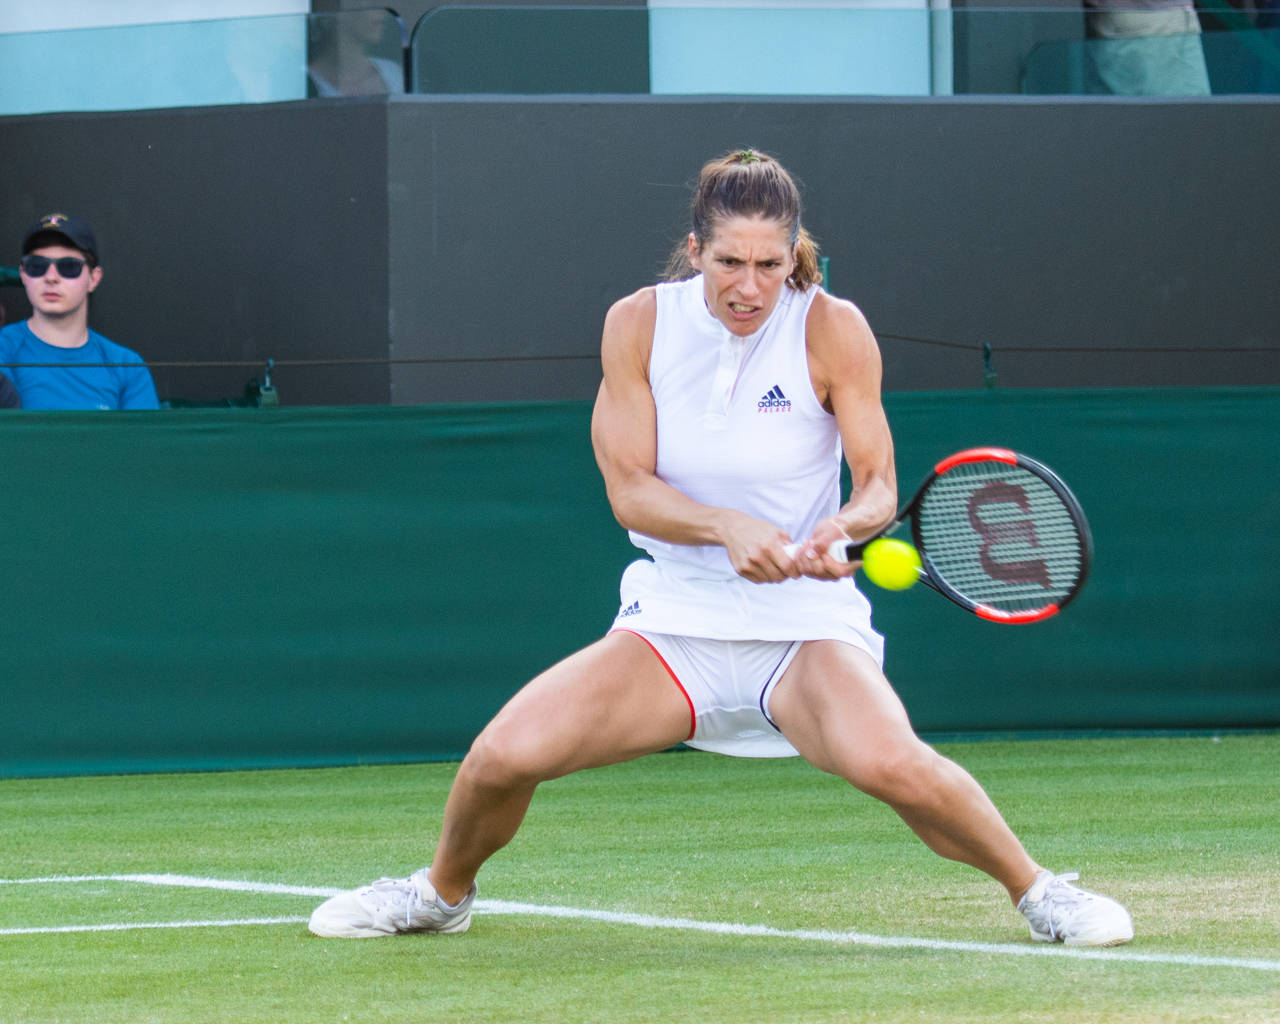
(693, 715)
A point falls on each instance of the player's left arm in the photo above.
(845, 368)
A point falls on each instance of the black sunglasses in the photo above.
(38, 266)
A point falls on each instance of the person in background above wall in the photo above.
(53, 358)
(1145, 48)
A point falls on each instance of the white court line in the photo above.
(635, 920)
(184, 881)
(125, 927)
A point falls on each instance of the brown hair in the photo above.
(747, 183)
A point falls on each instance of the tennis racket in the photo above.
(998, 533)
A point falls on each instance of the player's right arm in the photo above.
(624, 433)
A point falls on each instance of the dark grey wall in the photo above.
(480, 241)
(227, 234)
(1093, 227)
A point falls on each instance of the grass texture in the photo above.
(1183, 830)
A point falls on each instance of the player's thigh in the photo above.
(838, 710)
(610, 702)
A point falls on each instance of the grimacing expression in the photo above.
(745, 264)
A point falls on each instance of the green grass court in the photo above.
(697, 888)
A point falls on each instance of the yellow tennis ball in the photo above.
(891, 564)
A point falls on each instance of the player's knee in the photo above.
(499, 760)
(904, 775)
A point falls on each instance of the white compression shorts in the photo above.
(728, 684)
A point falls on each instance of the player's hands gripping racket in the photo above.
(998, 533)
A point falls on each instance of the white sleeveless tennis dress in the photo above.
(740, 427)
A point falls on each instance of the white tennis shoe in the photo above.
(390, 906)
(1059, 912)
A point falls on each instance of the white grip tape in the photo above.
(836, 550)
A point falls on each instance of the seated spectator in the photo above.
(67, 365)
(350, 54)
(1145, 48)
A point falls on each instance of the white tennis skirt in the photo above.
(674, 599)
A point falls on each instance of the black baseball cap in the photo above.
(74, 230)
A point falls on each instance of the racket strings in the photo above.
(1001, 536)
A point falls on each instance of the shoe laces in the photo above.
(1054, 898)
(395, 891)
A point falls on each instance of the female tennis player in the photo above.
(730, 393)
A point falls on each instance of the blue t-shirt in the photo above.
(73, 381)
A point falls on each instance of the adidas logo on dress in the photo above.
(632, 609)
(773, 401)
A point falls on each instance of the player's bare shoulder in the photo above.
(629, 324)
(839, 342)
(622, 430)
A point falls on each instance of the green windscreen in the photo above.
(233, 588)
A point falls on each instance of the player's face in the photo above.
(53, 295)
(745, 264)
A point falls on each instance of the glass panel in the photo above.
(846, 50)
(202, 63)
(1198, 64)
(1245, 62)
(841, 48)
(504, 49)
(178, 64)
(672, 47)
